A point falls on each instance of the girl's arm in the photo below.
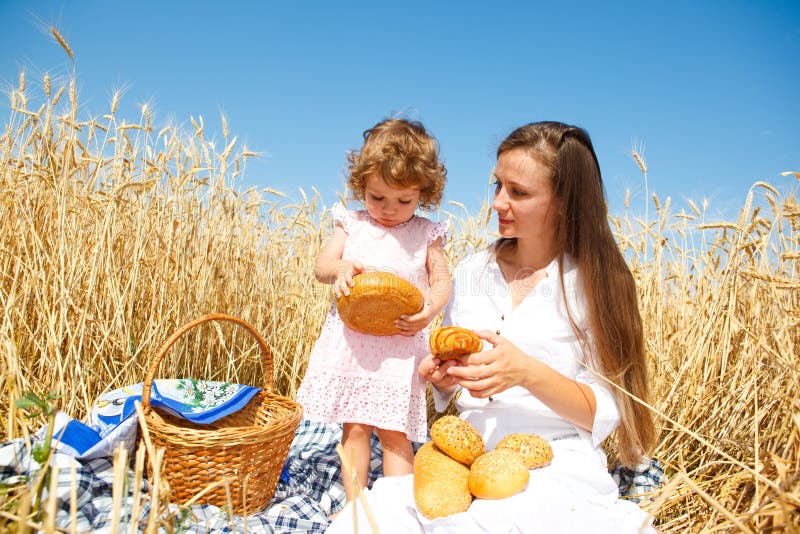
(439, 279)
(434, 371)
(330, 268)
(439, 284)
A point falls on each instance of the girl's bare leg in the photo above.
(398, 454)
(355, 441)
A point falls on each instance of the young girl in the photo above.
(371, 382)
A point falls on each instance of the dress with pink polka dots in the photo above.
(360, 378)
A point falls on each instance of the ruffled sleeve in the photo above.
(437, 230)
(342, 216)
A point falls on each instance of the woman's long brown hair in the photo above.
(584, 234)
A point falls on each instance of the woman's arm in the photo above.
(504, 366)
(330, 268)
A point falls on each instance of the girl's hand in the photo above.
(495, 370)
(409, 325)
(343, 278)
(434, 371)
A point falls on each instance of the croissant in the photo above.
(453, 341)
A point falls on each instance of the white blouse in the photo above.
(538, 326)
(574, 493)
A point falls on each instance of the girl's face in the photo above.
(387, 205)
(524, 201)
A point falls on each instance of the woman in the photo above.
(556, 303)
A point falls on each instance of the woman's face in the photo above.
(524, 201)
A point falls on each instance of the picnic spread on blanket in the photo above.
(284, 473)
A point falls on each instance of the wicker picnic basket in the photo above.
(247, 448)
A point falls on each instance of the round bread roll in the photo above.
(440, 483)
(497, 474)
(376, 301)
(451, 342)
(457, 438)
(534, 449)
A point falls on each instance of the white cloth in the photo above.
(558, 498)
(575, 493)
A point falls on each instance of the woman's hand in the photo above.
(345, 271)
(495, 370)
(434, 371)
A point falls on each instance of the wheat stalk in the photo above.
(54, 32)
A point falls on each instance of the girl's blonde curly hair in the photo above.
(404, 155)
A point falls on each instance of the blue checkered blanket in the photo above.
(639, 483)
(310, 488)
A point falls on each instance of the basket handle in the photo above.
(148, 377)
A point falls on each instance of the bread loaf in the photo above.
(535, 450)
(440, 483)
(457, 438)
(453, 341)
(376, 301)
(497, 474)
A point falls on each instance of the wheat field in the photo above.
(114, 232)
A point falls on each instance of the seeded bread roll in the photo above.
(440, 483)
(451, 342)
(535, 450)
(376, 301)
(497, 474)
(458, 439)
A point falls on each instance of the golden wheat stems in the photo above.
(138, 474)
(224, 122)
(73, 498)
(54, 32)
(119, 488)
(52, 500)
(23, 513)
(637, 157)
(349, 470)
(715, 504)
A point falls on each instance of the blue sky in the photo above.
(708, 89)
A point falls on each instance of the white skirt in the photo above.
(573, 494)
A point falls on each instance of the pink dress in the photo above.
(359, 378)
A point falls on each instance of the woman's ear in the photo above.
(558, 205)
